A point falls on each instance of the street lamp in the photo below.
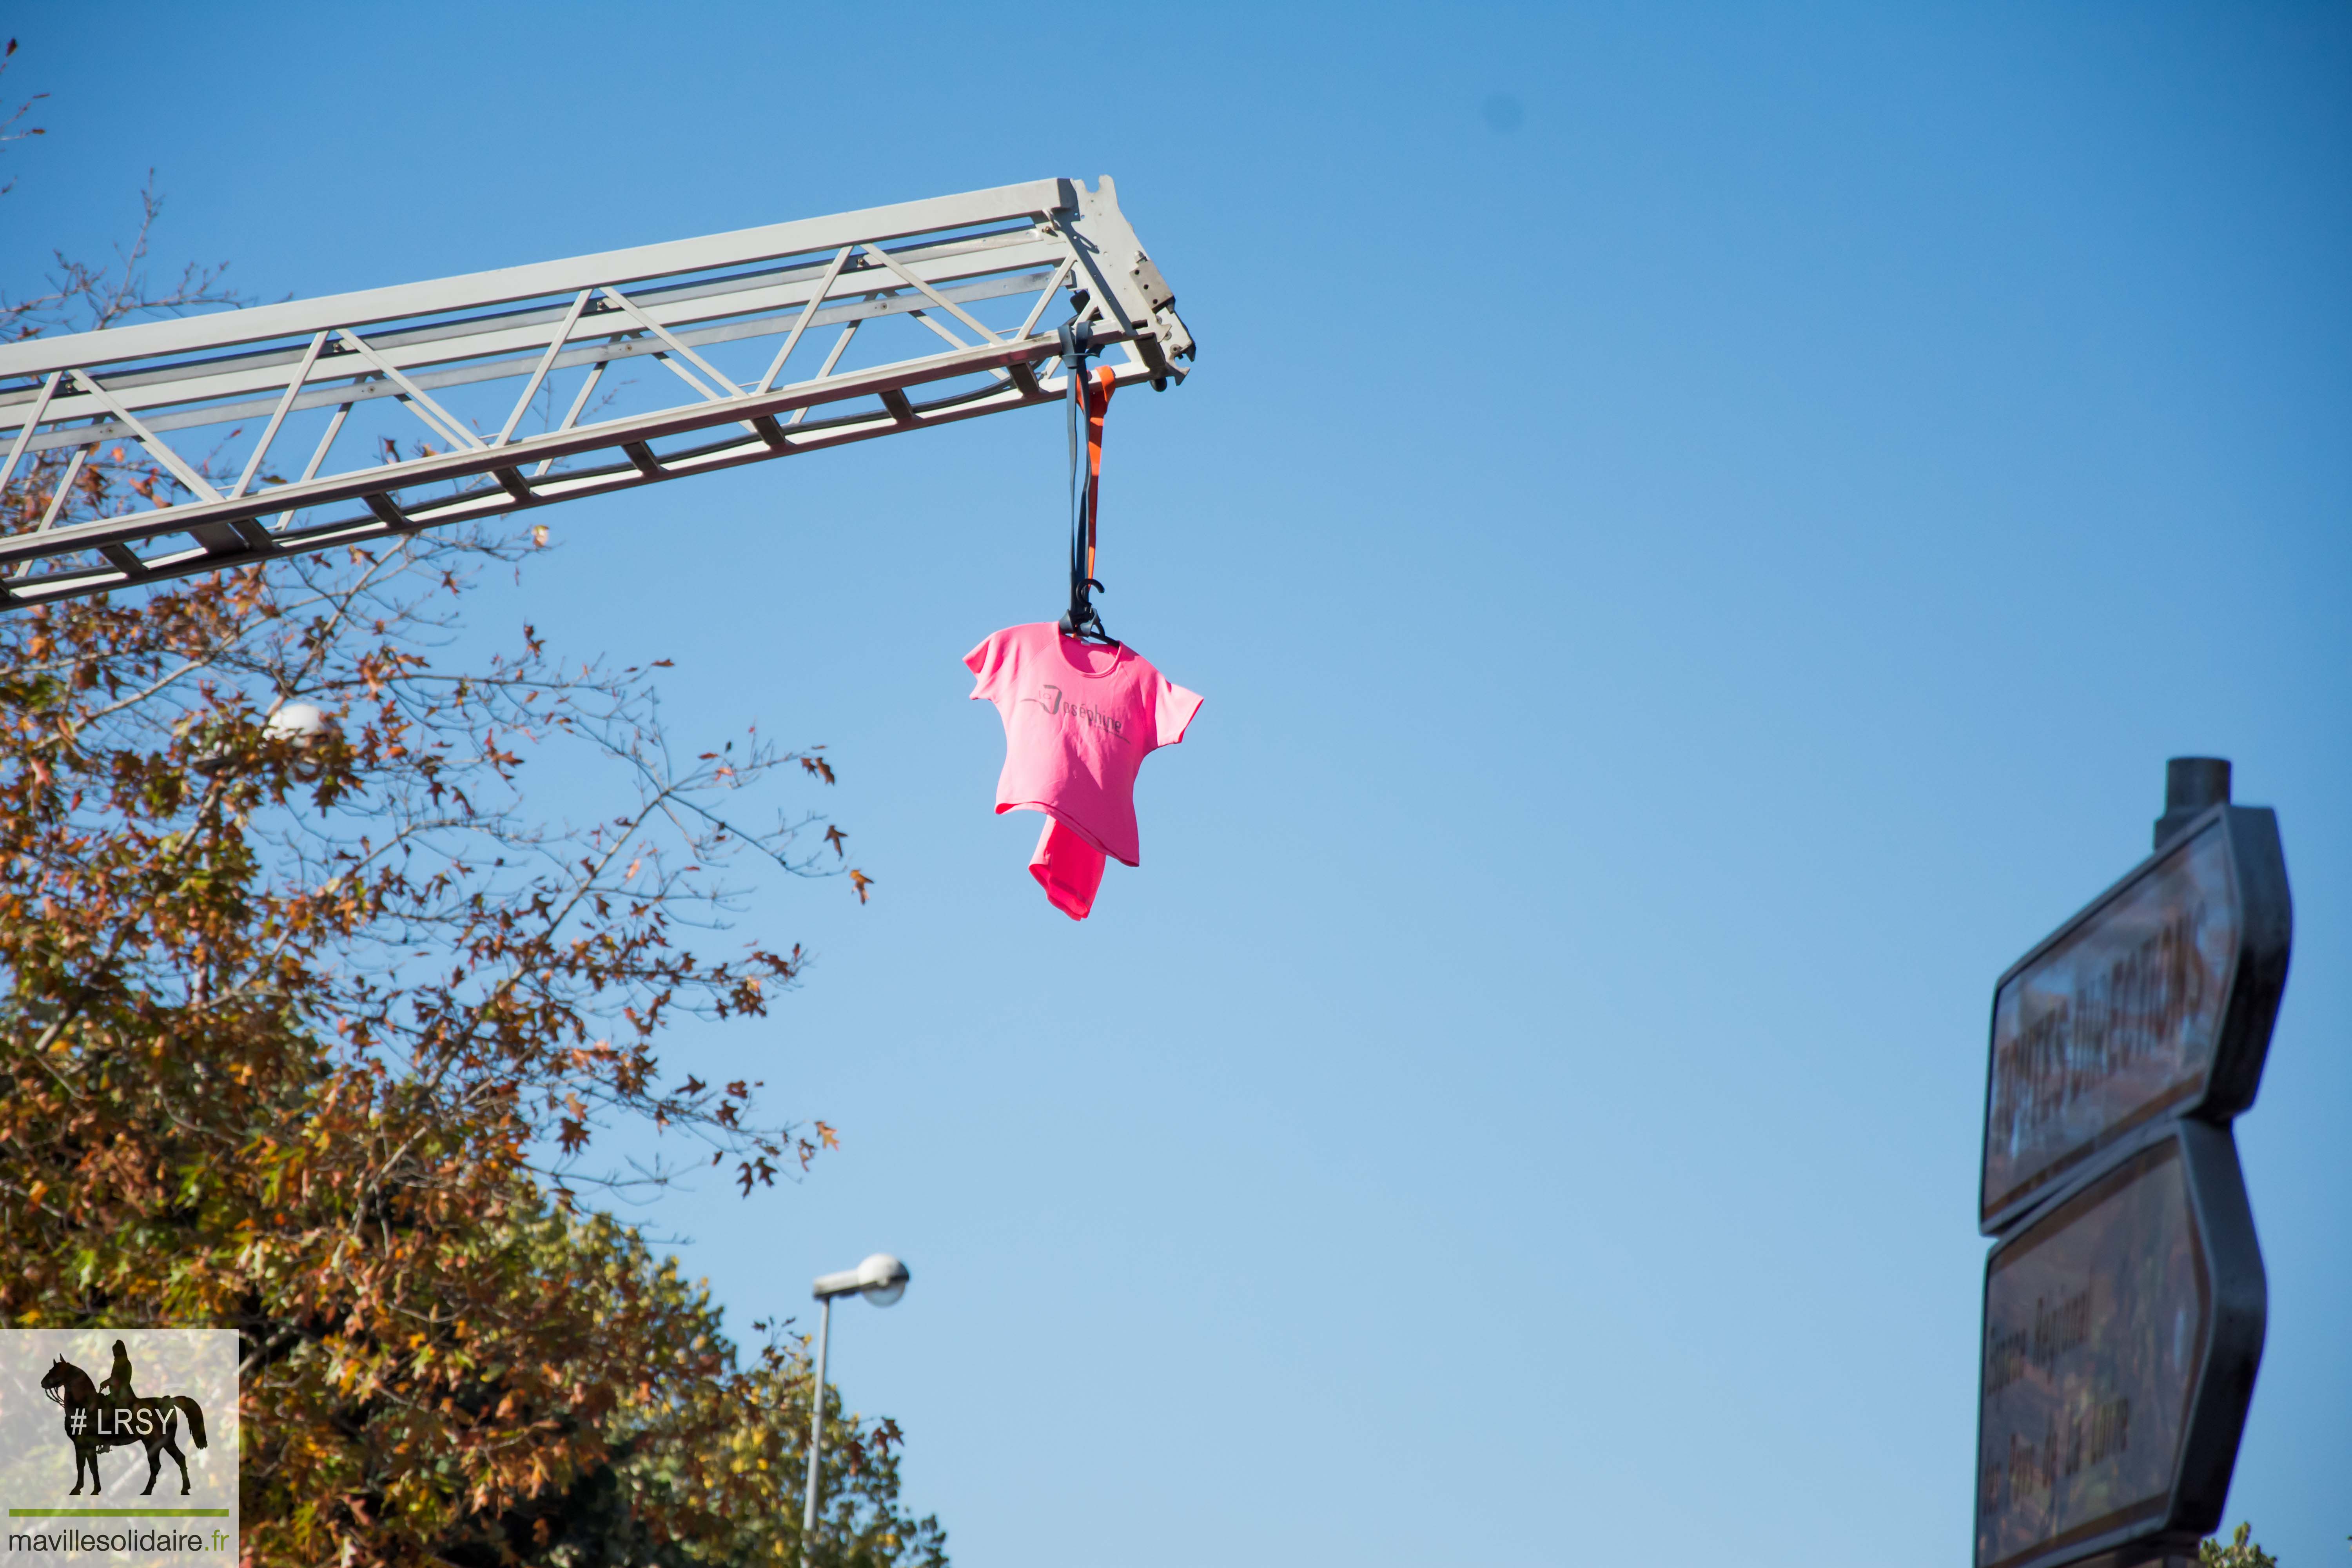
(881, 1279)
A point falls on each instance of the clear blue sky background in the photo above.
(1691, 576)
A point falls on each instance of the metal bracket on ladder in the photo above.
(460, 366)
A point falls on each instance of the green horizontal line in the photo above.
(116, 1512)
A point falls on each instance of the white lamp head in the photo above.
(299, 724)
(296, 721)
(881, 1279)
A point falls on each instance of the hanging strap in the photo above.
(1098, 404)
(1089, 400)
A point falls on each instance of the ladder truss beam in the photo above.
(416, 405)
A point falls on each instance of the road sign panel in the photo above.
(2155, 999)
(2122, 1331)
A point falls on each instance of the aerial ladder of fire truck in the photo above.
(278, 429)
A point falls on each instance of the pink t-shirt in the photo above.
(1079, 719)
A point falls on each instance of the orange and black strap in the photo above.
(1098, 404)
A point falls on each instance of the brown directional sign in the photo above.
(2157, 999)
(2122, 1332)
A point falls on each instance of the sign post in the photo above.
(2124, 1300)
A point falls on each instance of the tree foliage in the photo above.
(2241, 1552)
(313, 1032)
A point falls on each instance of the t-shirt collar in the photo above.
(1075, 665)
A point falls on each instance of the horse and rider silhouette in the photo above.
(112, 1416)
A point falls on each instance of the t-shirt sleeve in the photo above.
(1175, 706)
(989, 663)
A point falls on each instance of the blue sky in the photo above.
(1697, 527)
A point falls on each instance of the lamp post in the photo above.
(881, 1279)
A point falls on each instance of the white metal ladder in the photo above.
(357, 416)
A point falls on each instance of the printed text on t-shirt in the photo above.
(1085, 712)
